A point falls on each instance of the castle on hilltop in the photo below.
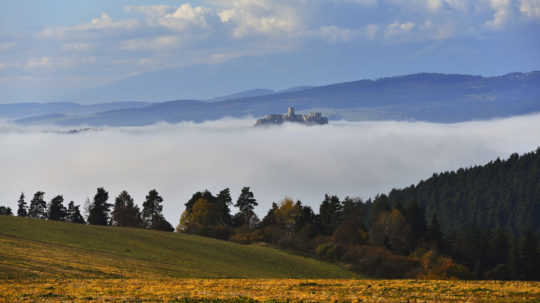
(307, 119)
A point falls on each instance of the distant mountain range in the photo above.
(424, 97)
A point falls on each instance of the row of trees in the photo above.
(483, 223)
(377, 237)
(124, 212)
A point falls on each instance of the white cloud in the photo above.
(431, 6)
(104, 23)
(260, 17)
(158, 43)
(185, 16)
(42, 62)
(437, 31)
(336, 34)
(151, 11)
(397, 28)
(361, 2)
(345, 158)
(77, 47)
(46, 62)
(502, 11)
(460, 5)
(530, 8)
(434, 5)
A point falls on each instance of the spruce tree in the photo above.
(416, 218)
(152, 208)
(57, 211)
(330, 214)
(434, 233)
(125, 212)
(22, 210)
(224, 201)
(5, 211)
(152, 214)
(74, 214)
(38, 206)
(99, 209)
(529, 256)
(246, 204)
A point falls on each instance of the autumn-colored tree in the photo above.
(392, 231)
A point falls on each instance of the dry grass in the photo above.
(277, 290)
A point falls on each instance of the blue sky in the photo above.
(97, 50)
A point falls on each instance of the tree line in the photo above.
(123, 213)
(476, 223)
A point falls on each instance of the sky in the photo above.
(356, 159)
(63, 50)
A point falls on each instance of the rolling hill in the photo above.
(31, 248)
(425, 97)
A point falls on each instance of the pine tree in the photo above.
(125, 212)
(499, 248)
(152, 209)
(416, 218)
(330, 213)
(57, 211)
(529, 256)
(152, 214)
(22, 210)
(99, 209)
(74, 214)
(246, 204)
(224, 201)
(38, 206)
(434, 233)
(5, 211)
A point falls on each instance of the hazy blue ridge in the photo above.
(424, 97)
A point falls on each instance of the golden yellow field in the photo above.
(277, 290)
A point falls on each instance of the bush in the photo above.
(379, 262)
(248, 237)
(435, 266)
(330, 251)
(499, 272)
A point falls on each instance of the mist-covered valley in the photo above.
(358, 159)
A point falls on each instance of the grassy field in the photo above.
(280, 290)
(39, 249)
(59, 262)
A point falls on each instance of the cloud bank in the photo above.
(345, 158)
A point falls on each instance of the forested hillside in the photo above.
(480, 222)
(500, 195)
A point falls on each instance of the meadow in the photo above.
(44, 261)
(267, 290)
(36, 249)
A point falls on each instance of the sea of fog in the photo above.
(358, 159)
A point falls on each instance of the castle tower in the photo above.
(290, 113)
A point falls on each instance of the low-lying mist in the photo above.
(359, 159)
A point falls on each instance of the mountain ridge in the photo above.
(432, 97)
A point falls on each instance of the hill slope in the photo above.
(32, 248)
